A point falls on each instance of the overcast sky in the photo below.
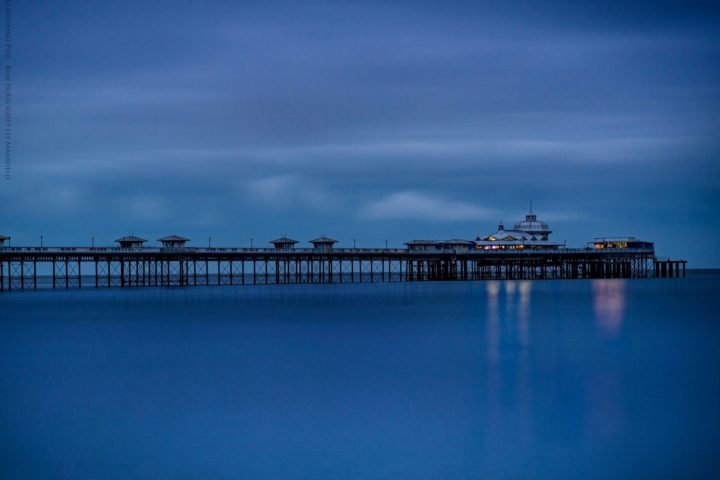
(366, 120)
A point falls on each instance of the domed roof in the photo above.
(532, 225)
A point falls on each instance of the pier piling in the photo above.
(183, 267)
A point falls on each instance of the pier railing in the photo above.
(32, 267)
(334, 251)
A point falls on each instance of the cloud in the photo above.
(312, 118)
(290, 191)
(462, 151)
(144, 207)
(554, 216)
(417, 206)
(270, 189)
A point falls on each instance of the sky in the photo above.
(366, 121)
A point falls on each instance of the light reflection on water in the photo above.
(609, 304)
(496, 379)
(517, 312)
(493, 321)
(524, 312)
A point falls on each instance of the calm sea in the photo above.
(508, 379)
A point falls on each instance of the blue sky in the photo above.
(365, 120)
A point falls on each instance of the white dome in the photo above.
(533, 226)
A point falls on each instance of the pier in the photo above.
(23, 268)
(523, 252)
(666, 268)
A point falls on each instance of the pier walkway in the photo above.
(103, 267)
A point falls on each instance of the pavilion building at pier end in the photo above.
(530, 233)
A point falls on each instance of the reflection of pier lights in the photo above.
(524, 313)
(510, 288)
(493, 321)
(609, 304)
(508, 393)
(517, 308)
(605, 415)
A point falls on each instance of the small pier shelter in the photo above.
(131, 241)
(173, 241)
(323, 243)
(284, 243)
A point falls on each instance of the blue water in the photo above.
(545, 379)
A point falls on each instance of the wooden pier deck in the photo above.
(23, 268)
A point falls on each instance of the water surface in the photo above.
(506, 379)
